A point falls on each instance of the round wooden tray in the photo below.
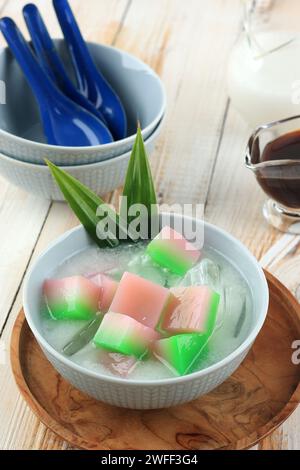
(256, 399)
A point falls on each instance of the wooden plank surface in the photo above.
(198, 159)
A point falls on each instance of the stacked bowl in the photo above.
(22, 144)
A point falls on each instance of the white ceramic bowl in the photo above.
(130, 393)
(101, 177)
(138, 86)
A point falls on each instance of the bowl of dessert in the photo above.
(150, 324)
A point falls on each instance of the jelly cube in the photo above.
(123, 334)
(108, 288)
(172, 251)
(117, 363)
(194, 311)
(141, 299)
(71, 298)
(179, 352)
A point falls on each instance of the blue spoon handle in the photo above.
(90, 81)
(64, 122)
(38, 79)
(50, 60)
(42, 42)
(81, 57)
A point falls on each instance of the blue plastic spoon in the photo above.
(64, 122)
(90, 81)
(50, 61)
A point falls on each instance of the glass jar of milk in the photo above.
(264, 66)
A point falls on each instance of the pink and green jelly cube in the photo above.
(171, 250)
(118, 364)
(179, 352)
(108, 288)
(123, 334)
(194, 310)
(141, 299)
(71, 298)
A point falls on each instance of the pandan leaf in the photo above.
(85, 204)
(138, 187)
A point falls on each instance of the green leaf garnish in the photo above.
(138, 187)
(103, 224)
(85, 203)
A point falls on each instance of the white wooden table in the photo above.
(198, 159)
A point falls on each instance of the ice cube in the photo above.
(236, 308)
(207, 272)
(118, 364)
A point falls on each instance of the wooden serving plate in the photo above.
(256, 399)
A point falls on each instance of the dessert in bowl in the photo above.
(151, 377)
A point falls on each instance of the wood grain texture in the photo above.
(286, 266)
(261, 394)
(235, 200)
(99, 20)
(21, 214)
(28, 224)
(189, 48)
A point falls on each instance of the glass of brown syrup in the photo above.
(273, 154)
